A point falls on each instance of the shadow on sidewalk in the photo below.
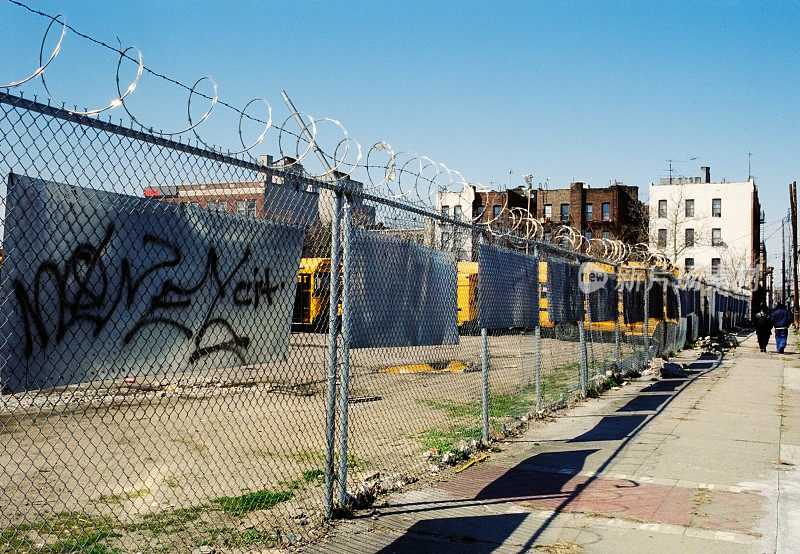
(548, 480)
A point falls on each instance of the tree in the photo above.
(668, 226)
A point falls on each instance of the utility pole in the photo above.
(793, 206)
(783, 261)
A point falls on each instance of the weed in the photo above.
(353, 461)
(71, 531)
(305, 456)
(455, 410)
(167, 521)
(313, 475)
(261, 453)
(119, 498)
(229, 537)
(446, 441)
(252, 501)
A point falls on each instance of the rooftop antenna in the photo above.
(670, 170)
(749, 173)
(691, 159)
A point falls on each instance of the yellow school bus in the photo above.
(467, 297)
(312, 298)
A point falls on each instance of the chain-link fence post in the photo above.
(347, 222)
(646, 324)
(584, 351)
(537, 337)
(617, 348)
(485, 375)
(584, 359)
(333, 337)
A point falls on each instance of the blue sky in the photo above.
(592, 91)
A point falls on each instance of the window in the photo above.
(211, 205)
(606, 207)
(662, 238)
(588, 235)
(564, 212)
(446, 211)
(606, 234)
(548, 236)
(689, 263)
(689, 238)
(548, 211)
(716, 207)
(457, 213)
(714, 266)
(588, 212)
(662, 208)
(240, 207)
(445, 241)
(689, 210)
(194, 204)
(479, 213)
(222, 206)
(716, 237)
(251, 208)
(496, 211)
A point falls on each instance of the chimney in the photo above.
(705, 174)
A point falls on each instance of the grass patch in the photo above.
(313, 475)
(229, 537)
(456, 410)
(167, 521)
(252, 501)
(62, 532)
(446, 441)
(560, 380)
(173, 482)
(500, 405)
(306, 456)
(262, 453)
(122, 497)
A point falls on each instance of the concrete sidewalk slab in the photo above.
(703, 464)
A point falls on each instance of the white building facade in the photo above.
(711, 229)
(456, 206)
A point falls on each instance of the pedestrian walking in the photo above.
(763, 323)
(781, 319)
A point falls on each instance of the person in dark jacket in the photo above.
(781, 319)
(763, 323)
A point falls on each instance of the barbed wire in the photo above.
(405, 176)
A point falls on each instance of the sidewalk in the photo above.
(704, 464)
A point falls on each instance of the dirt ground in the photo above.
(235, 457)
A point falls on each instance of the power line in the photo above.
(125, 55)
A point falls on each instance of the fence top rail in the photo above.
(334, 184)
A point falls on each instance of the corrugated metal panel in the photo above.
(402, 294)
(507, 288)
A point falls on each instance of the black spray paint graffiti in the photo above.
(83, 294)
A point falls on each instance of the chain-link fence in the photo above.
(199, 349)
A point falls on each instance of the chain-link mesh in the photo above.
(198, 349)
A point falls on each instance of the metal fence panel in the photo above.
(106, 286)
(403, 294)
(507, 283)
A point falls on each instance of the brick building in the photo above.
(614, 212)
(290, 197)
